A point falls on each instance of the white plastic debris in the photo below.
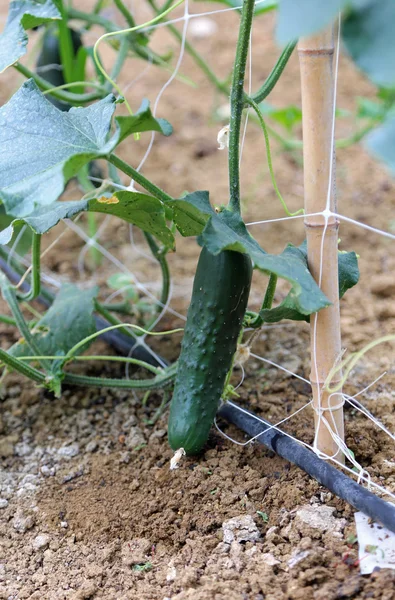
(178, 454)
(223, 138)
(376, 545)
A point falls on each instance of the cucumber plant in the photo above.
(41, 155)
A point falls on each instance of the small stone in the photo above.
(297, 557)
(47, 471)
(64, 524)
(135, 552)
(240, 529)
(268, 559)
(134, 438)
(3, 503)
(69, 450)
(23, 521)
(91, 446)
(41, 542)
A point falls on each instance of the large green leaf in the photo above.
(348, 277)
(23, 15)
(368, 34)
(68, 321)
(142, 210)
(225, 230)
(43, 147)
(298, 18)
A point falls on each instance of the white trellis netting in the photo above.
(185, 16)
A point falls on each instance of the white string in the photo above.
(166, 85)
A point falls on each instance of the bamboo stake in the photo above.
(316, 65)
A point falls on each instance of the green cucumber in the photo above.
(219, 300)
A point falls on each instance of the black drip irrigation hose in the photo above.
(124, 344)
(333, 479)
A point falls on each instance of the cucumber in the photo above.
(219, 300)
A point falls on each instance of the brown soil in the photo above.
(89, 508)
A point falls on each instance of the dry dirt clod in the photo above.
(240, 529)
(23, 521)
(320, 517)
(136, 551)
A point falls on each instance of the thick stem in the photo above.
(237, 103)
(160, 255)
(275, 73)
(139, 178)
(11, 299)
(17, 365)
(36, 271)
(158, 381)
(316, 64)
(59, 93)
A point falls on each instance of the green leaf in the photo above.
(190, 214)
(348, 277)
(142, 120)
(260, 8)
(139, 209)
(380, 143)
(20, 240)
(146, 212)
(226, 231)
(43, 147)
(304, 17)
(68, 321)
(368, 35)
(23, 15)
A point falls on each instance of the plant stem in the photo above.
(275, 74)
(123, 359)
(58, 92)
(237, 103)
(10, 297)
(36, 271)
(92, 18)
(143, 384)
(267, 301)
(160, 255)
(270, 291)
(126, 14)
(17, 365)
(139, 178)
(65, 46)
